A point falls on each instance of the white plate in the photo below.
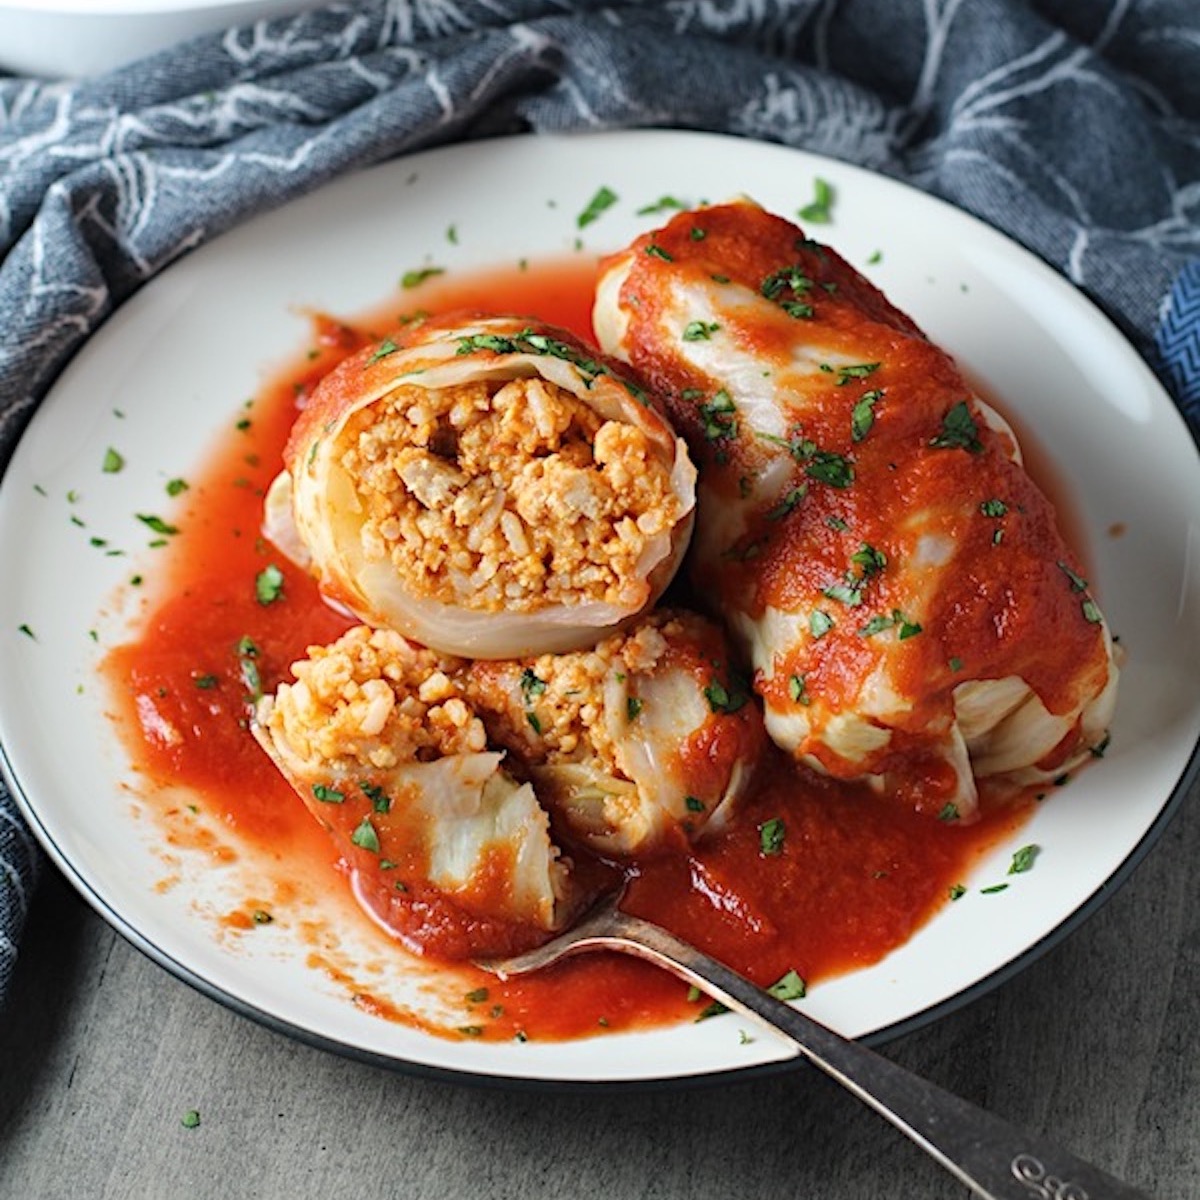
(179, 359)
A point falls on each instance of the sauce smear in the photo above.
(852, 877)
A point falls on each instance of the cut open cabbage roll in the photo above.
(378, 740)
(865, 523)
(645, 741)
(492, 488)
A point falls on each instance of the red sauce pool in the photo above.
(856, 875)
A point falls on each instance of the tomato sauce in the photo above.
(854, 876)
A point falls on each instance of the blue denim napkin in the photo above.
(1075, 128)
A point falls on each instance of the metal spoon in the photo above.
(994, 1159)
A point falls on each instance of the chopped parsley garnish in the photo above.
(787, 504)
(822, 465)
(247, 653)
(599, 204)
(798, 690)
(113, 462)
(1078, 583)
(693, 804)
(654, 250)
(190, 1119)
(957, 891)
(896, 620)
(364, 835)
(386, 347)
(949, 812)
(699, 331)
(1023, 859)
(381, 802)
(722, 699)
(790, 987)
(327, 794)
(476, 995)
(959, 431)
(791, 280)
(633, 707)
(850, 371)
(661, 205)
(157, 524)
(819, 210)
(176, 487)
(531, 684)
(991, 891)
(412, 279)
(205, 682)
(268, 584)
(529, 341)
(720, 417)
(993, 508)
(819, 623)
(771, 834)
(862, 416)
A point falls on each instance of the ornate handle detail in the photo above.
(1032, 1173)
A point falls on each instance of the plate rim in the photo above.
(1005, 971)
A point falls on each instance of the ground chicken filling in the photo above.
(507, 496)
(373, 701)
(551, 710)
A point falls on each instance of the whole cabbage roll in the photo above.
(642, 743)
(865, 523)
(382, 746)
(491, 488)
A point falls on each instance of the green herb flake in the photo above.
(1023, 859)
(268, 584)
(113, 462)
(789, 986)
(157, 524)
(1078, 583)
(991, 891)
(819, 210)
(955, 664)
(190, 1119)
(381, 802)
(957, 891)
(862, 416)
(720, 417)
(833, 469)
(959, 431)
(477, 995)
(819, 623)
(633, 707)
(949, 812)
(364, 836)
(176, 487)
(534, 723)
(28, 632)
(661, 205)
(788, 503)
(260, 916)
(700, 331)
(798, 690)
(693, 804)
(327, 794)
(531, 685)
(414, 278)
(205, 682)
(599, 204)
(722, 699)
(654, 250)
(771, 834)
(993, 508)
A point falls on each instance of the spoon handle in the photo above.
(993, 1158)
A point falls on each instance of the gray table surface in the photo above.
(102, 1052)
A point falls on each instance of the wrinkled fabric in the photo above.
(1074, 128)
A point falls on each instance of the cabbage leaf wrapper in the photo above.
(490, 487)
(639, 746)
(865, 524)
(449, 784)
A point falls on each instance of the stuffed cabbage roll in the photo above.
(384, 749)
(643, 742)
(491, 488)
(865, 523)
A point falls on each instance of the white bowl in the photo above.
(59, 38)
